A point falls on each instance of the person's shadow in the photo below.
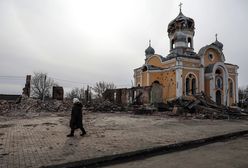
(70, 146)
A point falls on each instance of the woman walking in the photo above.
(76, 118)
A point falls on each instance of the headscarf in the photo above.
(75, 100)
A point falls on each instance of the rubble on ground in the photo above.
(27, 104)
(202, 107)
(106, 106)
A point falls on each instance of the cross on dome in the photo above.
(180, 6)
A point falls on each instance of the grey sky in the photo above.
(92, 40)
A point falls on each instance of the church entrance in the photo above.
(218, 97)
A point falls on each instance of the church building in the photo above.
(184, 72)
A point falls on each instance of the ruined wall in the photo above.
(168, 81)
(58, 93)
(124, 96)
(26, 89)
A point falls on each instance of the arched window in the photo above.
(189, 42)
(190, 84)
(193, 86)
(187, 86)
(172, 44)
(218, 71)
(219, 82)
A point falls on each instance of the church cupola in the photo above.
(181, 31)
(149, 51)
(217, 43)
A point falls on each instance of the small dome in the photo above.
(217, 43)
(181, 22)
(149, 50)
(180, 36)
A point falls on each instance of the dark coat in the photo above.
(76, 116)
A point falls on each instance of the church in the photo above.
(184, 72)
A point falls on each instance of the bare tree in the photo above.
(76, 92)
(41, 85)
(101, 87)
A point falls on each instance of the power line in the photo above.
(11, 77)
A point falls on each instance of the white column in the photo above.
(212, 87)
(236, 88)
(179, 84)
(202, 78)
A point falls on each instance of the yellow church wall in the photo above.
(168, 81)
(216, 57)
(155, 60)
(144, 78)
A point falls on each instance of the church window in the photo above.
(190, 85)
(189, 43)
(218, 71)
(211, 56)
(172, 44)
(193, 86)
(187, 86)
(219, 82)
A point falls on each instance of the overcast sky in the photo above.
(85, 41)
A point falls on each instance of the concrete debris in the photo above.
(26, 104)
(106, 106)
(202, 107)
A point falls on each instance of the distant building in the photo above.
(184, 72)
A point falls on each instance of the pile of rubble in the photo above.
(202, 107)
(106, 106)
(26, 104)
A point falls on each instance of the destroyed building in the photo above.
(184, 72)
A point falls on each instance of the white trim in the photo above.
(215, 48)
(162, 62)
(173, 68)
(225, 82)
(237, 88)
(191, 60)
(179, 82)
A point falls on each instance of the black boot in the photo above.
(83, 131)
(71, 134)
